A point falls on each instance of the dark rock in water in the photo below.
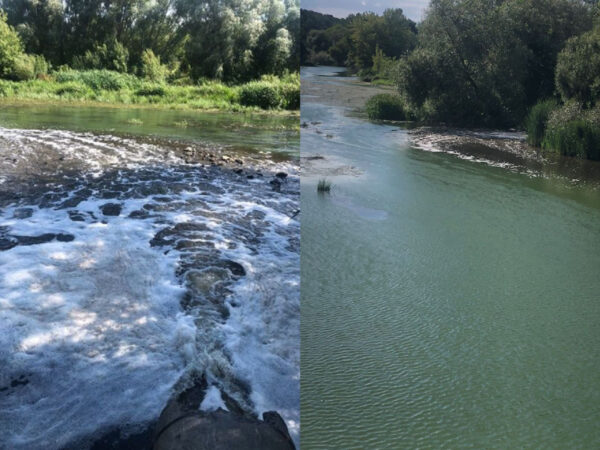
(7, 243)
(183, 427)
(35, 240)
(71, 202)
(23, 213)
(250, 177)
(76, 216)
(281, 175)
(238, 171)
(64, 237)
(110, 194)
(235, 268)
(111, 209)
(139, 214)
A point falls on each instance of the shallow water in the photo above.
(127, 262)
(447, 301)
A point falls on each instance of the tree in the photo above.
(11, 48)
(578, 69)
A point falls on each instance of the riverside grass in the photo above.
(273, 94)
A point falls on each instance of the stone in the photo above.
(111, 209)
(7, 243)
(281, 175)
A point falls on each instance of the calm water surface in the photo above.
(445, 302)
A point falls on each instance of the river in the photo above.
(447, 301)
(141, 250)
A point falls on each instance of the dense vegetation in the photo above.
(353, 42)
(513, 63)
(81, 48)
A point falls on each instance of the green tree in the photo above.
(578, 69)
(10, 47)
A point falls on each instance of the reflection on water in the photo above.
(467, 318)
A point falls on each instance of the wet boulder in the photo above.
(111, 209)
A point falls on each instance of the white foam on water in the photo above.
(95, 326)
(212, 400)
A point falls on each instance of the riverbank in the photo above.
(269, 95)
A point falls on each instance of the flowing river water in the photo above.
(138, 247)
(450, 299)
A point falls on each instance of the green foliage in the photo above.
(354, 41)
(260, 93)
(73, 89)
(578, 69)
(271, 92)
(481, 62)
(111, 55)
(537, 119)
(386, 107)
(579, 138)
(11, 49)
(99, 79)
(151, 89)
(151, 68)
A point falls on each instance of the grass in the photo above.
(578, 138)
(323, 186)
(112, 88)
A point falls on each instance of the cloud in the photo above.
(413, 9)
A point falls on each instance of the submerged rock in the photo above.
(111, 209)
(23, 213)
(183, 426)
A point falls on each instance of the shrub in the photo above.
(99, 79)
(111, 55)
(28, 67)
(151, 89)
(151, 68)
(386, 107)
(72, 88)
(537, 120)
(260, 93)
(579, 138)
(290, 96)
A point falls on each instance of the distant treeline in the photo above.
(183, 40)
(532, 63)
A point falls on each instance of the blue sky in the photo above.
(413, 9)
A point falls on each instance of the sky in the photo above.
(413, 9)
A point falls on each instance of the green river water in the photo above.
(446, 303)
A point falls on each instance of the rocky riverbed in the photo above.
(128, 264)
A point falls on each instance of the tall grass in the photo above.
(323, 186)
(578, 138)
(537, 119)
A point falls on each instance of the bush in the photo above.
(73, 88)
(111, 55)
(260, 93)
(151, 68)
(99, 79)
(290, 96)
(386, 107)
(579, 138)
(537, 120)
(151, 89)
